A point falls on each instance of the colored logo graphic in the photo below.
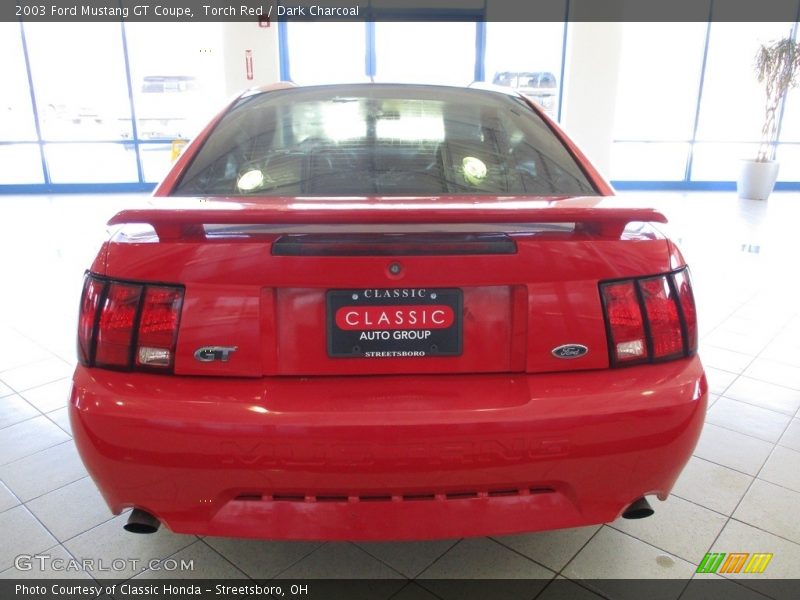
(734, 562)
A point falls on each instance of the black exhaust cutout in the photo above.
(638, 510)
(140, 521)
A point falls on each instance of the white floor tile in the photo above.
(408, 558)
(553, 549)
(774, 372)
(17, 351)
(340, 560)
(36, 374)
(483, 558)
(718, 380)
(29, 437)
(679, 527)
(53, 563)
(614, 555)
(726, 360)
(61, 418)
(791, 437)
(197, 561)
(755, 421)
(261, 559)
(740, 537)
(110, 541)
(72, 509)
(14, 409)
(781, 350)
(783, 468)
(22, 534)
(766, 395)
(7, 499)
(771, 508)
(731, 449)
(5, 390)
(711, 485)
(458, 574)
(44, 471)
(50, 396)
(735, 341)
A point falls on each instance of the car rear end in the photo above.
(385, 367)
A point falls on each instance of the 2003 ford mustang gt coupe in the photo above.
(375, 312)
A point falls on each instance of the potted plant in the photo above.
(777, 66)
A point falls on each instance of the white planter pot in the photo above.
(757, 179)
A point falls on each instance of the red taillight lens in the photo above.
(650, 318)
(662, 316)
(117, 318)
(90, 299)
(683, 285)
(122, 324)
(158, 327)
(626, 326)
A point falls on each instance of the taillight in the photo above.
(662, 316)
(624, 316)
(158, 326)
(126, 325)
(117, 319)
(87, 321)
(650, 319)
(683, 285)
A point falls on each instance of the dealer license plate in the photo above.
(394, 323)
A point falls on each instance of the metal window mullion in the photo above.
(690, 158)
(134, 126)
(783, 102)
(480, 50)
(563, 60)
(283, 50)
(37, 126)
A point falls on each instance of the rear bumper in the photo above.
(390, 457)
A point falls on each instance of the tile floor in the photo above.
(740, 491)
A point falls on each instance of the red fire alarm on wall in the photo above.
(263, 21)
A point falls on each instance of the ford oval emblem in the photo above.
(570, 351)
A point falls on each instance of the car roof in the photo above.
(482, 86)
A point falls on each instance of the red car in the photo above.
(385, 312)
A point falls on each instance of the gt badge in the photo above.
(569, 351)
(212, 353)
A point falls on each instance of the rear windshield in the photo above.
(382, 140)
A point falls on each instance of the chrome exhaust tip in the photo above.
(141, 521)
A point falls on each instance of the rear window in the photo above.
(382, 140)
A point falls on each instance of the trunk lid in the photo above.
(512, 279)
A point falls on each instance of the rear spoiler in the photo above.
(178, 218)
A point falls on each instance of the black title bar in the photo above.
(271, 11)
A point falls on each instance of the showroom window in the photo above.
(527, 57)
(175, 70)
(18, 138)
(732, 106)
(442, 53)
(78, 106)
(76, 127)
(656, 104)
(523, 56)
(342, 61)
(689, 107)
